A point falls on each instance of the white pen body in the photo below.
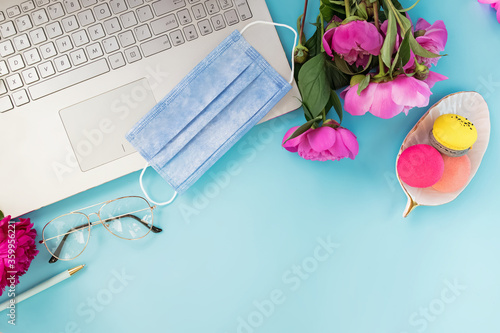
(35, 290)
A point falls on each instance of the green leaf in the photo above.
(334, 102)
(419, 50)
(345, 68)
(409, 8)
(313, 84)
(315, 43)
(390, 40)
(336, 78)
(363, 84)
(404, 53)
(303, 128)
(307, 113)
(1, 215)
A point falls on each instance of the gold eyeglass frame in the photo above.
(100, 221)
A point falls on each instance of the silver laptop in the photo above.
(75, 75)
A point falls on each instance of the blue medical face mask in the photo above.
(215, 105)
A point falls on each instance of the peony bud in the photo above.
(300, 54)
(421, 71)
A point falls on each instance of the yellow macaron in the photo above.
(453, 135)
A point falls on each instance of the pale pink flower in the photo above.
(23, 245)
(354, 42)
(328, 142)
(388, 99)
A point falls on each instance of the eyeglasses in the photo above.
(67, 236)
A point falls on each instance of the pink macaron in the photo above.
(420, 166)
(456, 174)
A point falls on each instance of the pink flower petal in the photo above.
(321, 138)
(358, 105)
(350, 141)
(383, 106)
(410, 91)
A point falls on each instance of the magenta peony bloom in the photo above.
(495, 4)
(354, 42)
(433, 38)
(388, 99)
(323, 143)
(23, 245)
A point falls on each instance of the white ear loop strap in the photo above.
(278, 25)
(146, 194)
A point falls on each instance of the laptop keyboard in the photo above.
(47, 46)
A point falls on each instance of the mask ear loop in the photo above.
(146, 194)
(278, 25)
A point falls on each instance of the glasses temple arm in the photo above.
(53, 259)
(144, 223)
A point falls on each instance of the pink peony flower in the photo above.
(495, 4)
(433, 38)
(388, 99)
(23, 245)
(329, 142)
(354, 42)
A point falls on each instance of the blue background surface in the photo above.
(244, 249)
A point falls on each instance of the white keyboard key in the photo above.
(193, 1)
(94, 51)
(212, 6)
(80, 38)
(102, 11)
(22, 42)
(117, 60)
(68, 79)
(72, 6)
(133, 54)
(46, 69)
(88, 3)
(5, 104)
(62, 63)
(27, 6)
(16, 62)
(6, 48)
(199, 11)
(110, 44)
(14, 81)
(218, 22)
(134, 3)
(32, 57)
(190, 32)
(162, 7)
(41, 3)
(78, 57)
(225, 4)
(38, 36)
(23, 23)
(30, 75)
(86, 17)
(13, 11)
(231, 17)
(7, 29)
(118, 6)
(177, 37)
(142, 32)
(96, 32)
(70, 23)
(40, 17)
(144, 13)
(64, 44)
(164, 24)
(54, 30)
(243, 9)
(3, 88)
(128, 20)
(205, 27)
(2, 16)
(184, 16)
(55, 10)
(48, 50)
(20, 97)
(126, 38)
(155, 46)
(3, 68)
(112, 25)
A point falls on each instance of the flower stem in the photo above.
(375, 14)
(301, 35)
(381, 66)
(347, 8)
(323, 114)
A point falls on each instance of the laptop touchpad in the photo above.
(96, 127)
